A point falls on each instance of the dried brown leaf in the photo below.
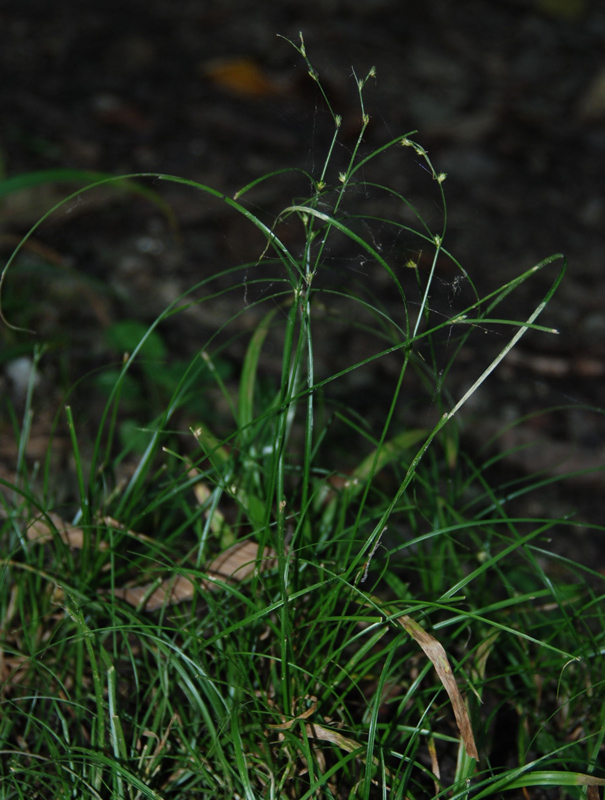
(241, 76)
(437, 655)
(239, 561)
(324, 734)
(332, 736)
(41, 532)
(283, 726)
(235, 564)
(217, 519)
(168, 592)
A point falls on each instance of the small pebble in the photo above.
(19, 372)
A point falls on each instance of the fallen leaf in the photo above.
(218, 524)
(437, 655)
(332, 736)
(315, 731)
(239, 561)
(168, 592)
(241, 76)
(324, 734)
(283, 726)
(41, 532)
(235, 564)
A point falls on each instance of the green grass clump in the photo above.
(297, 594)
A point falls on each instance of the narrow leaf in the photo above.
(437, 655)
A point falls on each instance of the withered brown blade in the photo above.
(435, 652)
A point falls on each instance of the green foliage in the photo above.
(251, 606)
(160, 377)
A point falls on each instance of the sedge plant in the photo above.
(300, 595)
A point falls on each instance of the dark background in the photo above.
(508, 97)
